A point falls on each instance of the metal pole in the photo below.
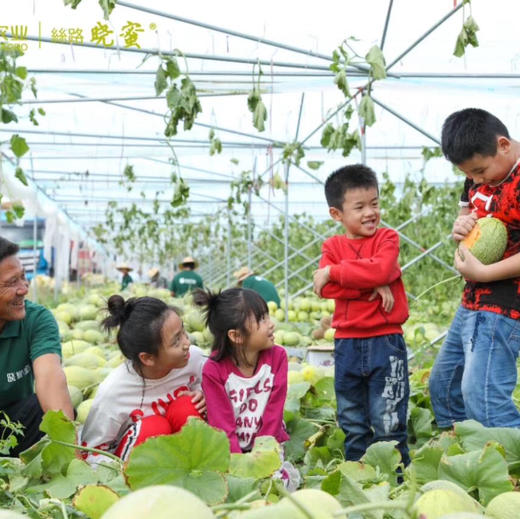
(286, 243)
(188, 55)
(249, 231)
(35, 238)
(229, 32)
(427, 33)
(210, 126)
(35, 264)
(383, 38)
(435, 75)
(228, 274)
(404, 119)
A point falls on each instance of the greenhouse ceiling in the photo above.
(95, 81)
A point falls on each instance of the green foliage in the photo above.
(181, 96)
(12, 83)
(293, 152)
(366, 110)
(339, 137)
(467, 36)
(377, 63)
(257, 108)
(193, 459)
(9, 430)
(18, 146)
(255, 104)
(340, 61)
(215, 145)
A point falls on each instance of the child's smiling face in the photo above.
(360, 213)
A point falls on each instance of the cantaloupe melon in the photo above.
(159, 502)
(487, 240)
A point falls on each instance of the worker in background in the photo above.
(156, 280)
(246, 278)
(127, 278)
(187, 279)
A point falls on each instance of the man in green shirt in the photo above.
(246, 278)
(186, 279)
(127, 278)
(32, 380)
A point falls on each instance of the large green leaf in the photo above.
(357, 471)
(193, 459)
(474, 435)
(324, 389)
(366, 110)
(263, 461)
(298, 390)
(94, 500)
(240, 487)
(482, 470)
(299, 431)
(425, 464)
(385, 457)
(351, 493)
(376, 60)
(56, 457)
(18, 145)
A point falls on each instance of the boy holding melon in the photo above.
(359, 270)
(474, 374)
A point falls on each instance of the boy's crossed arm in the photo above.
(323, 287)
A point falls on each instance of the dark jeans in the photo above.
(29, 413)
(372, 390)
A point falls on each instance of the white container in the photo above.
(320, 355)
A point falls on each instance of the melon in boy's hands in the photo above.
(487, 240)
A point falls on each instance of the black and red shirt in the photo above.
(503, 202)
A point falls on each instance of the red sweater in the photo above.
(357, 267)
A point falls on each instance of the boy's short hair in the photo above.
(470, 131)
(7, 248)
(348, 177)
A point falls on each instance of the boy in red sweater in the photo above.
(359, 270)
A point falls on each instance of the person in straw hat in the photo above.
(187, 279)
(156, 280)
(246, 278)
(127, 278)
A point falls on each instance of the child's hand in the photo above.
(197, 397)
(469, 266)
(321, 278)
(387, 298)
(463, 225)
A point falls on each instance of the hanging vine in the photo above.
(13, 80)
(468, 33)
(255, 104)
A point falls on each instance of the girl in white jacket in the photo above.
(156, 389)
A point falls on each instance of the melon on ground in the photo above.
(487, 240)
(159, 502)
(504, 506)
(438, 502)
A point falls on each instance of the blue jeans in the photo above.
(474, 374)
(372, 390)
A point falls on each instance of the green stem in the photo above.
(239, 504)
(451, 278)
(89, 449)
(371, 506)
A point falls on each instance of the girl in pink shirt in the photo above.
(245, 379)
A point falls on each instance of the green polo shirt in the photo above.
(184, 281)
(264, 287)
(21, 342)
